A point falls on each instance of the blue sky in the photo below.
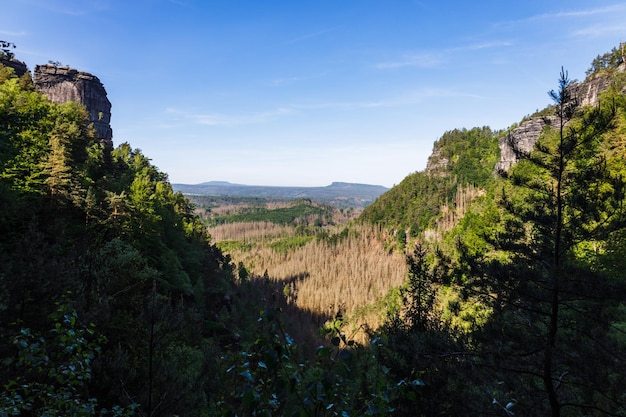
(305, 93)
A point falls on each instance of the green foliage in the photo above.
(55, 373)
(299, 212)
(105, 224)
(333, 238)
(234, 245)
(5, 49)
(414, 202)
(559, 198)
(289, 243)
(470, 154)
(417, 346)
(607, 61)
(343, 379)
(466, 157)
(533, 289)
(419, 295)
(520, 308)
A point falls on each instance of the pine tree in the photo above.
(553, 313)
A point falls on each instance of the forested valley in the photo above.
(465, 290)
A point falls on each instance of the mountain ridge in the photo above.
(340, 194)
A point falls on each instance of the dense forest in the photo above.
(494, 293)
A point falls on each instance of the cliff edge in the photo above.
(62, 84)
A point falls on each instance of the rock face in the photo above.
(588, 92)
(18, 66)
(437, 164)
(62, 84)
(524, 137)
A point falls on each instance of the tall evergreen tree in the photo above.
(552, 314)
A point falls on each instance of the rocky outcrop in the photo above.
(437, 164)
(524, 137)
(588, 91)
(521, 139)
(62, 84)
(18, 66)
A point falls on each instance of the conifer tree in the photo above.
(544, 298)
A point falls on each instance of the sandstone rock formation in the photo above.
(588, 91)
(18, 66)
(437, 164)
(524, 137)
(62, 84)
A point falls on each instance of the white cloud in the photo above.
(435, 59)
(411, 98)
(18, 34)
(566, 14)
(600, 30)
(582, 13)
(484, 45)
(424, 60)
(296, 79)
(407, 98)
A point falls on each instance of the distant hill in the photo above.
(338, 194)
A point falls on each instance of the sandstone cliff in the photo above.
(522, 138)
(62, 84)
(437, 164)
(525, 136)
(18, 66)
(588, 92)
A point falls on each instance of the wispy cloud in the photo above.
(424, 60)
(309, 36)
(599, 30)
(580, 13)
(566, 14)
(405, 99)
(415, 97)
(483, 45)
(221, 119)
(62, 7)
(217, 119)
(435, 59)
(287, 80)
(296, 79)
(13, 34)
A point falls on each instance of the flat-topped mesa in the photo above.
(62, 84)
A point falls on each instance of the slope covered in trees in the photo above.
(517, 307)
(461, 157)
(114, 300)
(95, 235)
